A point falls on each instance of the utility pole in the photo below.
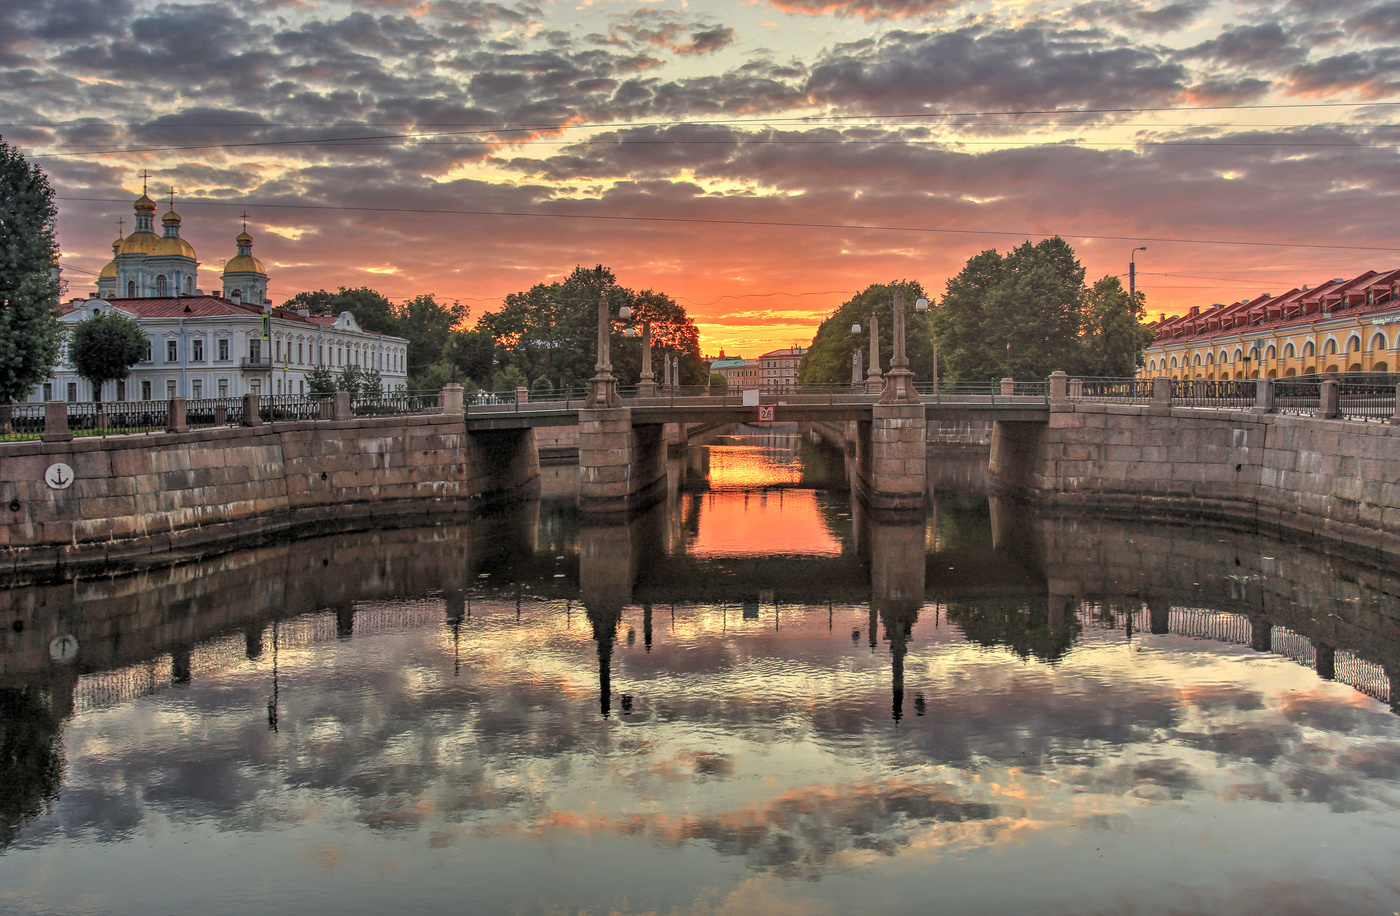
(1132, 273)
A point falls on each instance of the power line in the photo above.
(780, 224)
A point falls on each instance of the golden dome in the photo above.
(244, 238)
(244, 263)
(109, 272)
(171, 218)
(172, 245)
(144, 204)
(139, 243)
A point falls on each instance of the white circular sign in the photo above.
(59, 476)
(63, 648)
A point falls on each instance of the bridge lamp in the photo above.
(855, 328)
(625, 312)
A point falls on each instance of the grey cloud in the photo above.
(1142, 16)
(1371, 75)
(708, 40)
(864, 9)
(1265, 45)
(1378, 23)
(1024, 68)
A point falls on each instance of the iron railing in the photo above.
(206, 412)
(1363, 400)
(1214, 393)
(21, 421)
(1116, 390)
(1300, 394)
(118, 418)
(282, 408)
(397, 403)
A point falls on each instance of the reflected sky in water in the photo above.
(529, 714)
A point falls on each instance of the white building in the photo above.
(214, 346)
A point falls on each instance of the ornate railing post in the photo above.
(899, 382)
(602, 388)
(1059, 388)
(1329, 402)
(56, 422)
(176, 420)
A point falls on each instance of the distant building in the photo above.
(777, 369)
(213, 346)
(739, 373)
(1343, 325)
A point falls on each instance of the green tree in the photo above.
(31, 759)
(1114, 337)
(551, 330)
(104, 347)
(828, 360)
(30, 332)
(470, 355)
(965, 350)
(321, 380)
(718, 383)
(1019, 316)
(427, 325)
(371, 309)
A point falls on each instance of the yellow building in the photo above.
(1340, 326)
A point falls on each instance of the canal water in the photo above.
(752, 699)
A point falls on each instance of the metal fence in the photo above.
(1117, 390)
(1365, 400)
(206, 412)
(21, 421)
(396, 403)
(282, 408)
(1300, 394)
(1218, 393)
(118, 418)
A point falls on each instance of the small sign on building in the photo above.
(765, 414)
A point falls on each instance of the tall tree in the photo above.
(427, 325)
(1114, 337)
(551, 330)
(1019, 316)
(828, 360)
(30, 332)
(104, 347)
(371, 309)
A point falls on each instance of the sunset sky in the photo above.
(758, 161)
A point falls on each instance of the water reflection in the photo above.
(675, 719)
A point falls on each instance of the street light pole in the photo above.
(1132, 273)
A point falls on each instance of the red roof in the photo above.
(200, 307)
(1367, 292)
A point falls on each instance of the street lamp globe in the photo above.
(855, 328)
(625, 312)
(921, 304)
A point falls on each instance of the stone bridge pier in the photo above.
(621, 466)
(892, 458)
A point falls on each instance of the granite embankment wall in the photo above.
(170, 492)
(1334, 479)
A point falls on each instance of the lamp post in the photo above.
(921, 306)
(873, 377)
(1132, 272)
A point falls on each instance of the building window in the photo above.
(48, 391)
(301, 386)
(255, 387)
(121, 389)
(279, 351)
(254, 349)
(131, 289)
(149, 354)
(145, 389)
(223, 348)
(172, 351)
(223, 387)
(197, 349)
(320, 354)
(169, 388)
(197, 388)
(72, 391)
(300, 361)
(162, 288)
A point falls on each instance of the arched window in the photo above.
(1288, 351)
(189, 283)
(1378, 342)
(162, 288)
(1353, 343)
(1173, 362)
(1330, 347)
(1210, 359)
(1307, 349)
(1271, 353)
(1224, 357)
(1198, 359)
(1239, 354)
(131, 289)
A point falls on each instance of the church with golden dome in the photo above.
(146, 265)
